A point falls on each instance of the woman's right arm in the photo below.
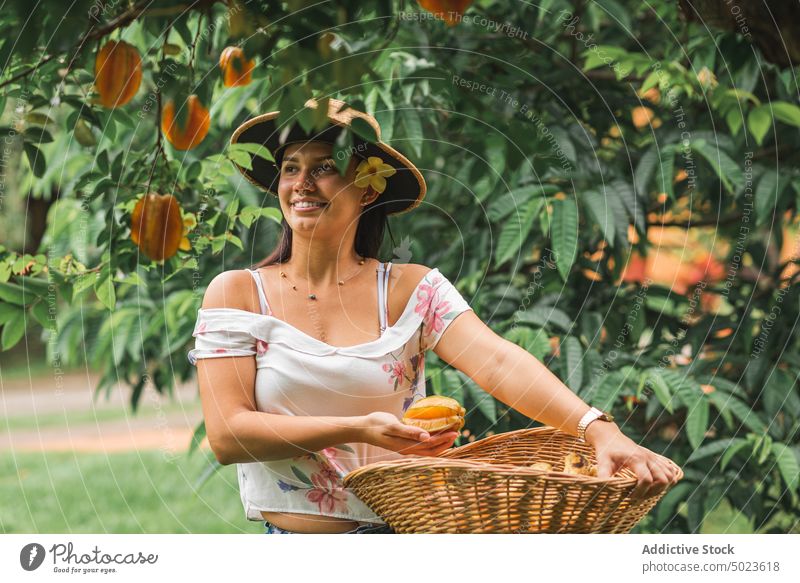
(239, 433)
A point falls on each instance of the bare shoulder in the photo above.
(232, 289)
(405, 277)
(410, 272)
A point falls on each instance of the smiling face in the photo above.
(314, 196)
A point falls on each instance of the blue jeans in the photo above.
(362, 529)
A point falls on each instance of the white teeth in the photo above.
(308, 204)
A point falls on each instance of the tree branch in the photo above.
(120, 21)
(140, 9)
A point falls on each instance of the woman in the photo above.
(300, 382)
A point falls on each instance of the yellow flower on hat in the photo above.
(373, 172)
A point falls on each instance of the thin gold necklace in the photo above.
(312, 296)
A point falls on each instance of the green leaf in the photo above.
(780, 394)
(711, 449)
(546, 317)
(726, 169)
(506, 204)
(788, 113)
(602, 55)
(759, 120)
(763, 448)
(363, 129)
(193, 171)
(241, 158)
(618, 14)
(633, 204)
(273, 214)
(453, 386)
(343, 151)
(697, 409)
(197, 437)
(235, 240)
(666, 171)
(695, 510)
(650, 81)
(7, 311)
(14, 294)
(40, 312)
(667, 507)
(661, 389)
(436, 382)
(516, 231)
(249, 214)
(480, 398)
(38, 135)
(35, 159)
(251, 148)
(209, 471)
(534, 340)
(39, 287)
(788, 466)
(565, 234)
(732, 450)
(13, 330)
(85, 281)
(744, 413)
(645, 170)
(768, 193)
(217, 244)
(413, 130)
(601, 212)
(104, 288)
(232, 208)
(697, 422)
(735, 119)
(573, 354)
(606, 391)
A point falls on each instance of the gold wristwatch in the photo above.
(592, 414)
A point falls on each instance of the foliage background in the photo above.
(612, 186)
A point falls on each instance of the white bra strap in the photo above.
(386, 295)
(262, 298)
(381, 301)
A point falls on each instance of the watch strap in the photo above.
(591, 415)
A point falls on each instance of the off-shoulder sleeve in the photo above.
(439, 302)
(222, 332)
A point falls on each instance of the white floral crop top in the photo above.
(300, 375)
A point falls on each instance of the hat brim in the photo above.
(404, 190)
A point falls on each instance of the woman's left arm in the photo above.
(515, 377)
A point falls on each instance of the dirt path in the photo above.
(73, 395)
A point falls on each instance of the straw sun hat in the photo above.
(405, 188)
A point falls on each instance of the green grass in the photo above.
(17, 364)
(72, 417)
(136, 492)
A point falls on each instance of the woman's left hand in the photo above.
(615, 451)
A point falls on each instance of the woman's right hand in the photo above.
(384, 430)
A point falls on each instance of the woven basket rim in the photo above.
(433, 462)
(447, 460)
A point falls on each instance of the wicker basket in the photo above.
(484, 487)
